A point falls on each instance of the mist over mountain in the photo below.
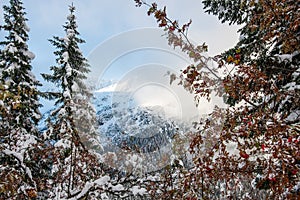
(126, 124)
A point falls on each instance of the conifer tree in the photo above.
(249, 150)
(71, 126)
(19, 106)
(264, 86)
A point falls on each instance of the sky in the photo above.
(105, 25)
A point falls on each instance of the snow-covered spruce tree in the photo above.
(249, 150)
(19, 108)
(76, 170)
(263, 92)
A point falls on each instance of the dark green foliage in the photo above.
(71, 127)
(19, 108)
(234, 12)
(15, 65)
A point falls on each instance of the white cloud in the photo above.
(99, 20)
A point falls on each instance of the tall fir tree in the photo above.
(249, 150)
(270, 44)
(267, 78)
(19, 106)
(71, 126)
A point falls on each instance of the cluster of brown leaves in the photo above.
(280, 20)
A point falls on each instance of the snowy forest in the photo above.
(248, 149)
